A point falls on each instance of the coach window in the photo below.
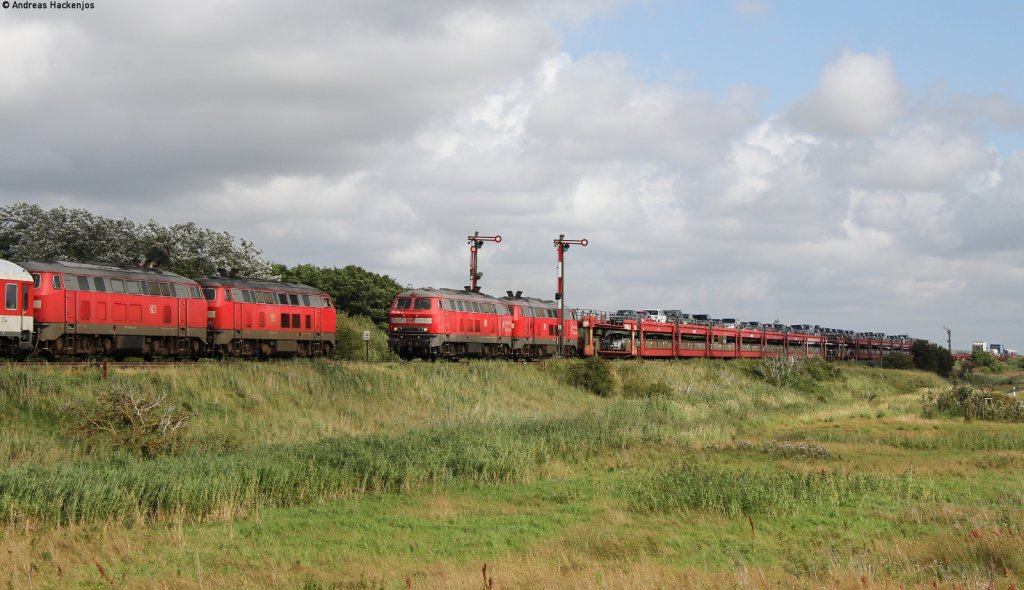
(422, 304)
(11, 296)
(116, 286)
(403, 303)
(57, 283)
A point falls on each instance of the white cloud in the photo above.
(858, 94)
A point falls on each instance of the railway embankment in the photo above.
(563, 473)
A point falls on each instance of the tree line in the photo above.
(30, 232)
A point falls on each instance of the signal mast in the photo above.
(562, 245)
(476, 241)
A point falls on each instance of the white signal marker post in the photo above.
(562, 245)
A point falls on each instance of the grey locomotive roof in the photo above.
(105, 270)
(259, 285)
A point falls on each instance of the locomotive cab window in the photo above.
(58, 284)
(194, 292)
(11, 296)
(403, 303)
(210, 294)
(422, 304)
(36, 279)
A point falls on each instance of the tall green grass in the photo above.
(194, 487)
(710, 488)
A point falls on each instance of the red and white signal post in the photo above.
(562, 245)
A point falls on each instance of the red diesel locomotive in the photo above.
(448, 323)
(99, 310)
(255, 318)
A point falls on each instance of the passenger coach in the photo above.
(16, 315)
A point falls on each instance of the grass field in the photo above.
(691, 474)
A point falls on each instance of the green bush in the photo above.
(962, 400)
(897, 360)
(593, 374)
(932, 357)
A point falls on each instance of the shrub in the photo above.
(128, 421)
(592, 374)
(962, 400)
(779, 371)
(932, 357)
(897, 360)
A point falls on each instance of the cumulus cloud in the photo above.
(858, 94)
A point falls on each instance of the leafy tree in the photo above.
(29, 232)
(932, 357)
(355, 290)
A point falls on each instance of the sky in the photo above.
(853, 165)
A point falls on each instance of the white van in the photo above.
(657, 315)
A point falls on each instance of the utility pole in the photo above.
(949, 339)
(476, 241)
(562, 245)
